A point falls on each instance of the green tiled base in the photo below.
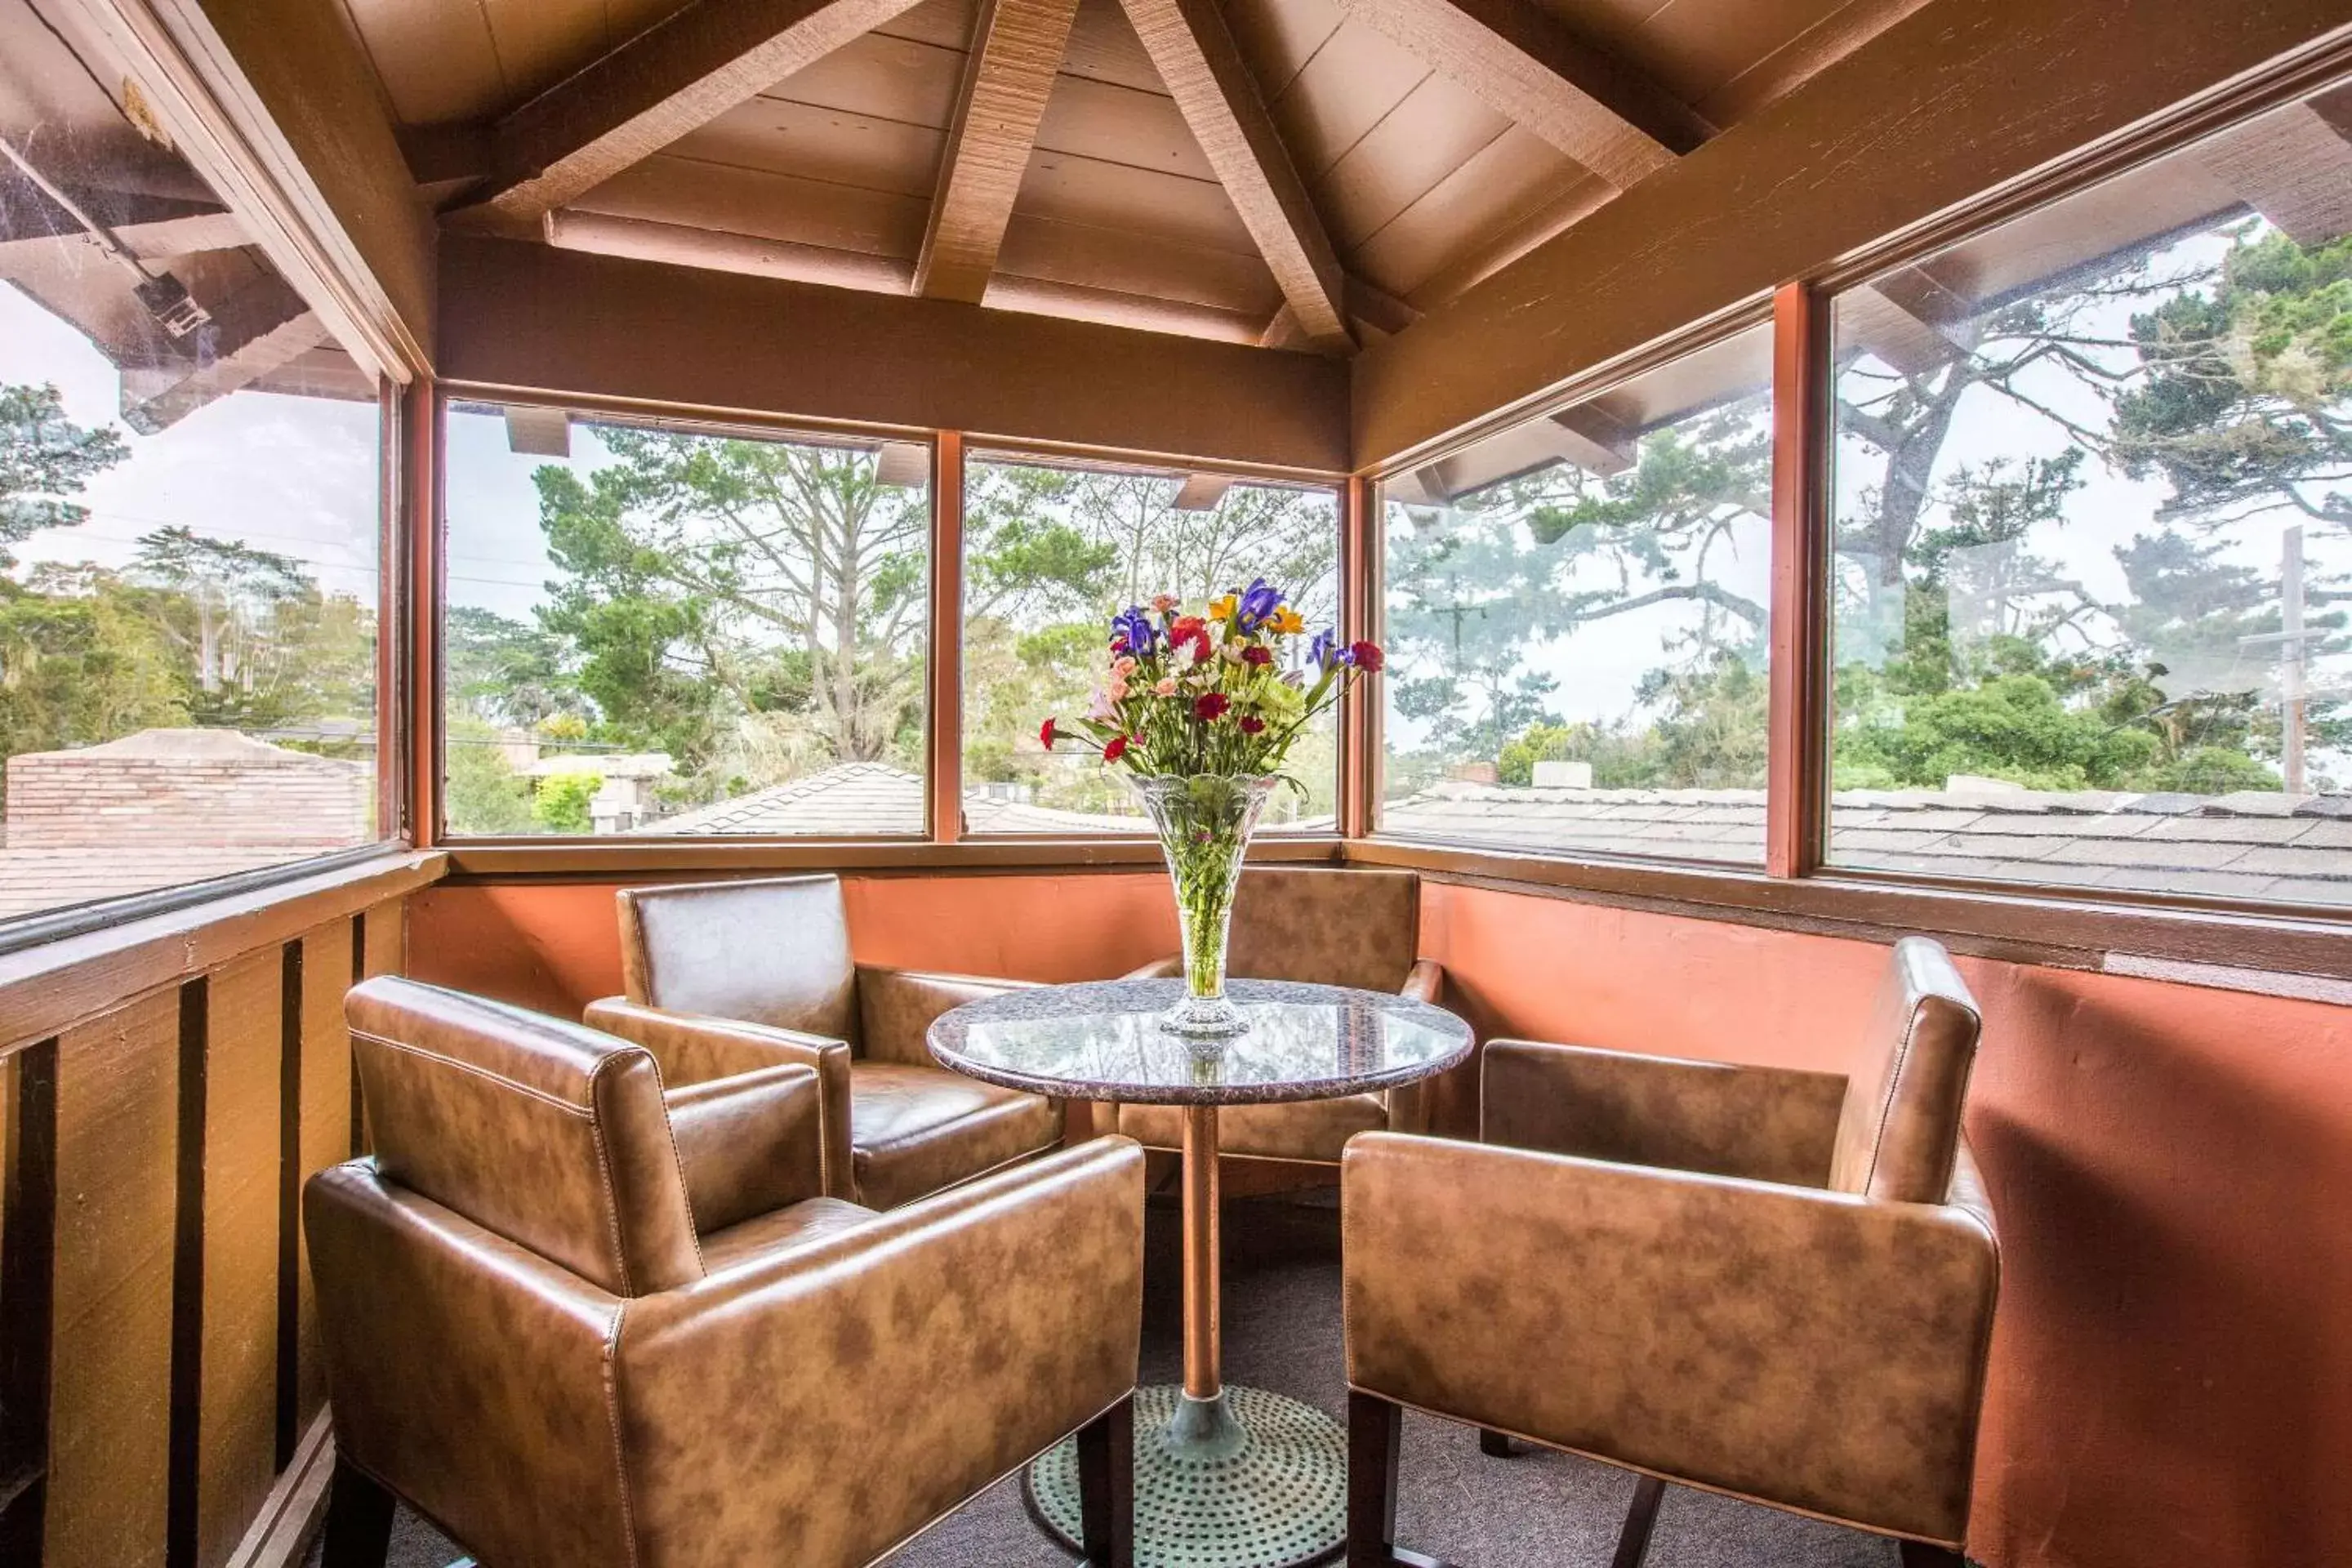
(1279, 1501)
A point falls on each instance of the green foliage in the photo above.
(484, 795)
(562, 803)
(83, 660)
(46, 459)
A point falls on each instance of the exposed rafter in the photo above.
(1526, 64)
(1016, 48)
(148, 227)
(673, 77)
(262, 328)
(1193, 51)
(2292, 165)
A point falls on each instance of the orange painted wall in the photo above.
(2171, 1166)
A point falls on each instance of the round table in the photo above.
(1231, 1476)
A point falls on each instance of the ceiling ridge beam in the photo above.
(1194, 52)
(1526, 65)
(1017, 48)
(674, 77)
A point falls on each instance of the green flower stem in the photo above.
(1204, 822)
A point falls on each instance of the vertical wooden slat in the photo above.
(325, 1129)
(1796, 797)
(28, 1218)
(421, 519)
(391, 614)
(944, 658)
(237, 1370)
(384, 948)
(117, 1120)
(286, 1418)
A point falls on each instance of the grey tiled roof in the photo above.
(2250, 845)
(853, 799)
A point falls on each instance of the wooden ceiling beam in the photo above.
(262, 327)
(1017, 48)
(1195, 53)
(1526, 65)
(2292, 165)
(674, 76)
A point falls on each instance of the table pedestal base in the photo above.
(1250, 1480)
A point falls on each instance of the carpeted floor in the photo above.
(1282, 1332)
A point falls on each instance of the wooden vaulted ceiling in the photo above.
(1305, 174)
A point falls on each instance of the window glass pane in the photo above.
(190, 520)
(1576, 623)
(2094, 536)
(657, 628)
(1051, 552)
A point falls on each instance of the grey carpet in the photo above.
(1282, 1332)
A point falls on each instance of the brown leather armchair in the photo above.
(1774, 1284)
(1332, 927)
(774, 950)
(589, 1305)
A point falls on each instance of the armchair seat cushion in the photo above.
(799, 1225)
(915, 1130)
(1316, 1129)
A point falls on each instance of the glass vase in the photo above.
(1204, 824)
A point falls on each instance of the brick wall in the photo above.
(184, 788)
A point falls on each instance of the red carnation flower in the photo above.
(1119, 645)
(1368, 656)
(1115, 748)
(1257, 653)
(1046, 735)
(1250, 723)
(1189, 628)
(1210, 707)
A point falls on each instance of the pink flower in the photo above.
(1163, 603)
(1165, 687)
(1101, 709)
(1122, 668)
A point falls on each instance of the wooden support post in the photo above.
(943, 668)
(1795, 812)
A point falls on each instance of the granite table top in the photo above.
(1102, 1041)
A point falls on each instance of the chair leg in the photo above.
(1634, 1540)
(359, 1520)
(1493, 1444)
(1374, 1429)
(1920, 1554)
(1107, 1486)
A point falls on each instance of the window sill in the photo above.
(47, 987)
(585, 859)
(2025, 925)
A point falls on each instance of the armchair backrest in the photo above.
(548, 1133)
(1326, 925)
(1899, 1134)
(771, 950)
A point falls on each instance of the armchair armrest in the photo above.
(694, 1049)
(1424, 982)
(750, 1144)
(895, 1006)
(924, 1354)
(1822, 1349)
(1169, 968)
(1770, 1124)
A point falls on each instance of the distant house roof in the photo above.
(608, 765)
(2251, 845)
(853, 798)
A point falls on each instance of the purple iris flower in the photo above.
(1319, 652)
(1258, 602)
(1135, 625)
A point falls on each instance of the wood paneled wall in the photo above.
(159, 1354)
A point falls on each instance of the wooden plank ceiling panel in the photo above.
(1137, 264)
(878, 75)
(1121, 125)
(1277, 38)
(775, 207)
(1113, 195)
(1104, 47)
(436, 58)
(541, 42)
(946, 24)
(1791, 66)
(1035, 297)
(1692, 47)
(1435, 131)
(1350, 85)
(835, 145)
(1465, 216)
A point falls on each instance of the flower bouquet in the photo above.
(1201, 710)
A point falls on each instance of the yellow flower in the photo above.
(1221, 609)
(1286, 619)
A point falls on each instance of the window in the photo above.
(189, 520)
(2093, 535)
(1053, 552)
(655, 628)
(1577, 612)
